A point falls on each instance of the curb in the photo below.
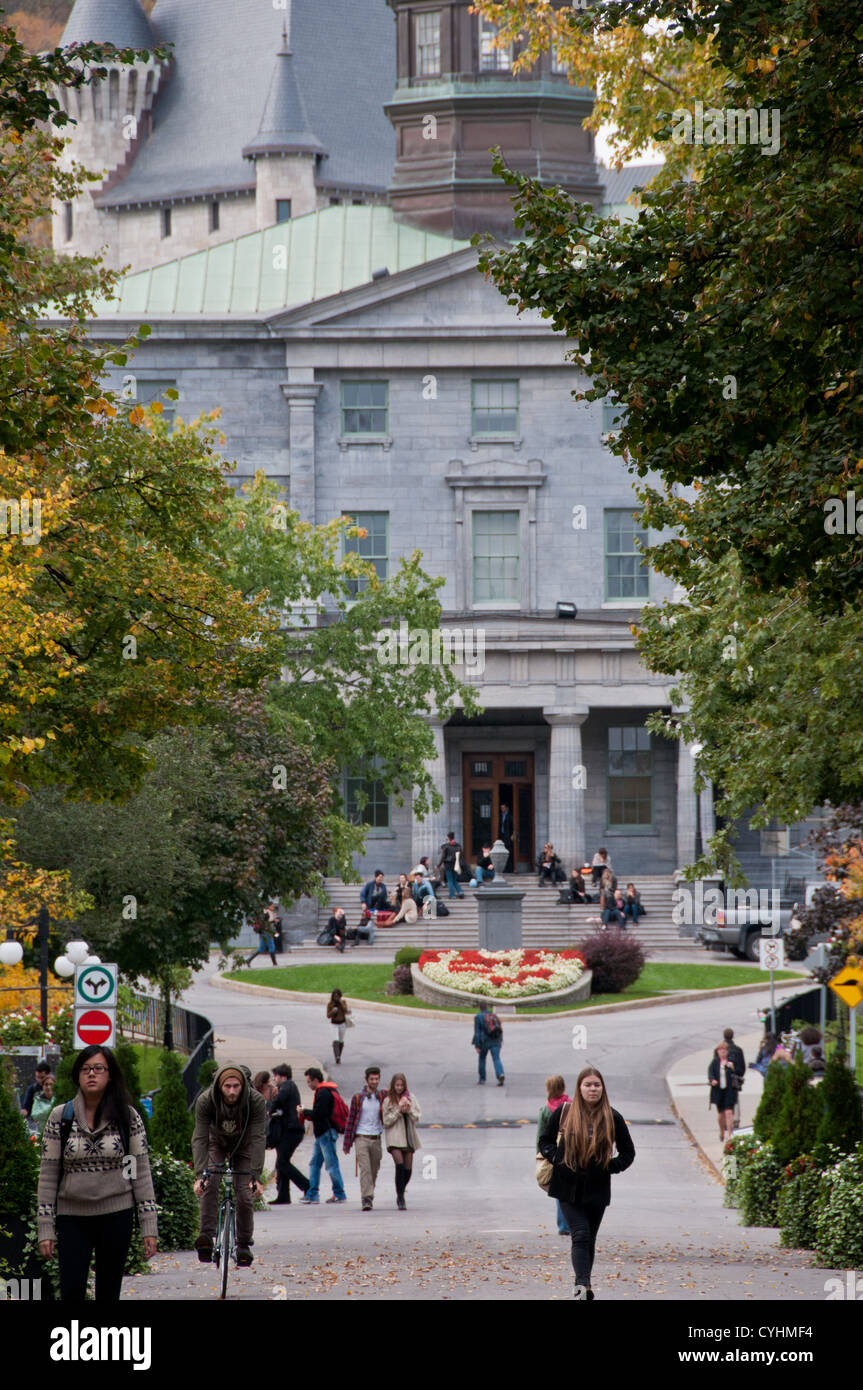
(686, 997)
(688, 1132)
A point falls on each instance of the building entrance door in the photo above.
(492, 781)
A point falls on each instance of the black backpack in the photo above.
(492, 1026)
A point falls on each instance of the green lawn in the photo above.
(368, 981)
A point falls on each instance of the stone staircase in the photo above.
(545, 922)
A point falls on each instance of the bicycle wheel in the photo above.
(227, 1246)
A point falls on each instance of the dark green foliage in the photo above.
(759, 1187)
(839, 1216)
(403, 980)
(408, 955)
(616, 959)
(173, 1184)
(841, 1118)
(171, 1126)
(797, 1204)
(770, 1104)
(796, 1126)
(19, 1161)
(206, 1072)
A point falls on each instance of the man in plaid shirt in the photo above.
(364, 1128)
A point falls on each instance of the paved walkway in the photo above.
(687, 1086)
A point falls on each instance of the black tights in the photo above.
(78, 1239)
(584, 1223)
(403, 1156)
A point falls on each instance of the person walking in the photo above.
(85, 1192)
(450, 859)
(326, 1137)
(266, 941)
(555, 1092)
(230, 1122)
(488, 1037)
(35, 1088)
(722, 1079)
(287, 1132)
(364, 1129)
(505, 831)
(738, 1061)
(579, 1142)
(41, 1106)
(338, 1013)
(401, 1111)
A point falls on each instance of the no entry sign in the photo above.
(94, 1026)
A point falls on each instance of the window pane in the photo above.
(366, 802)
(495, 407)
(630, 779)
(492, 59)
(364, 407)
(427, 44)
(626, 573)
(496, 565)
(373, 547)
(149, 391)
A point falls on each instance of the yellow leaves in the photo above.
(136, 415)
(14, 138)
(156, 407)
(672, 269)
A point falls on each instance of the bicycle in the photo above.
(226, 1231)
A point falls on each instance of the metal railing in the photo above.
(188, 1031)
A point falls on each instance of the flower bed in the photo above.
(516, 974)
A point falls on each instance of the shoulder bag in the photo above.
(544, 1166)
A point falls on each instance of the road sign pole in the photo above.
(772, 1004)
(852, 1047)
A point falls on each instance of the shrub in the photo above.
(171, 1127)
(408, 955)
(736, 1155)
(797, 1202)
(173, 1184)
(841, 1117)
(616, 959)
(770, 1103)
(403, 980)
(19, 1160)
(796, 1125)
(206, 1072)
(759, 1186)
(839, 1215)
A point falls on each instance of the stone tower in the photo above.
(285, 151)
(113, 116)
(456, 97)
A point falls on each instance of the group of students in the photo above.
(37, 1102)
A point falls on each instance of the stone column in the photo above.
(429, 834)
(566, 784)
(707, 817)
(687, 814)
(301, 391)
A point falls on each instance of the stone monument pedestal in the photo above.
(499, 917)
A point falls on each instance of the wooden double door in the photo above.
(492, 781)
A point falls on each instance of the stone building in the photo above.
(361, 361)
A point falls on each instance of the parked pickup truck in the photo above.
(738, 929)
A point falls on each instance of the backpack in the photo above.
(339, 1118)
(492, 1026)
(442, 910)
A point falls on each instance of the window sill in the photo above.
(495, 606)
(625, 603)
(383, 441)
(474, 440)
(630, 830)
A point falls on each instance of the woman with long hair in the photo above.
(264, 1086)
(579, 1142)
(406, 901)
(338, 1014)
(400, 1113)
(88, 1188)
(555, 1097)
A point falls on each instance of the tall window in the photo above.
(557, 64)
(427, 44)
(374, 547)
(496, 559)
(214, 217)
(283, 209)
(364, 407)
(149, 390)
(166, 222)
(113, 94)
(68, 221)
(495, 407)
(366, 802)
(613, 414)
(491, 58)
(626, 573)
(630, 777)
(132, 91)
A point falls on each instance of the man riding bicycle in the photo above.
(230, 1121)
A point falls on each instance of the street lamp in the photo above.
(77, 953)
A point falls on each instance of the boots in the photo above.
(338, 1048)
(401, 1184)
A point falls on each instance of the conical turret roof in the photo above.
(285, 127)
(120, 22)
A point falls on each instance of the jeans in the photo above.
(583, 1222)
(243, 1197)
(633, 910)
(78, 1239)
(494, 1049)
(561, 1220)
(454, 886)
(613, 914)
(324, 1152)
(483, 874)
(286, 1173)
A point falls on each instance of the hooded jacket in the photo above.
(230, 1128)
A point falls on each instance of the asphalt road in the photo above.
(477, 1226)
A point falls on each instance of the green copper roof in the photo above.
(282, 267)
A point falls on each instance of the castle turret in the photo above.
(112, 117)
(285, 151)
(457, 97)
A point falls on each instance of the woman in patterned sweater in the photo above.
(90, 1192)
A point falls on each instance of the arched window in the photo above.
(132, 91)
(96, 85)
(148, 88)
(113, 94)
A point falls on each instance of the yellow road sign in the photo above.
(848, 984)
